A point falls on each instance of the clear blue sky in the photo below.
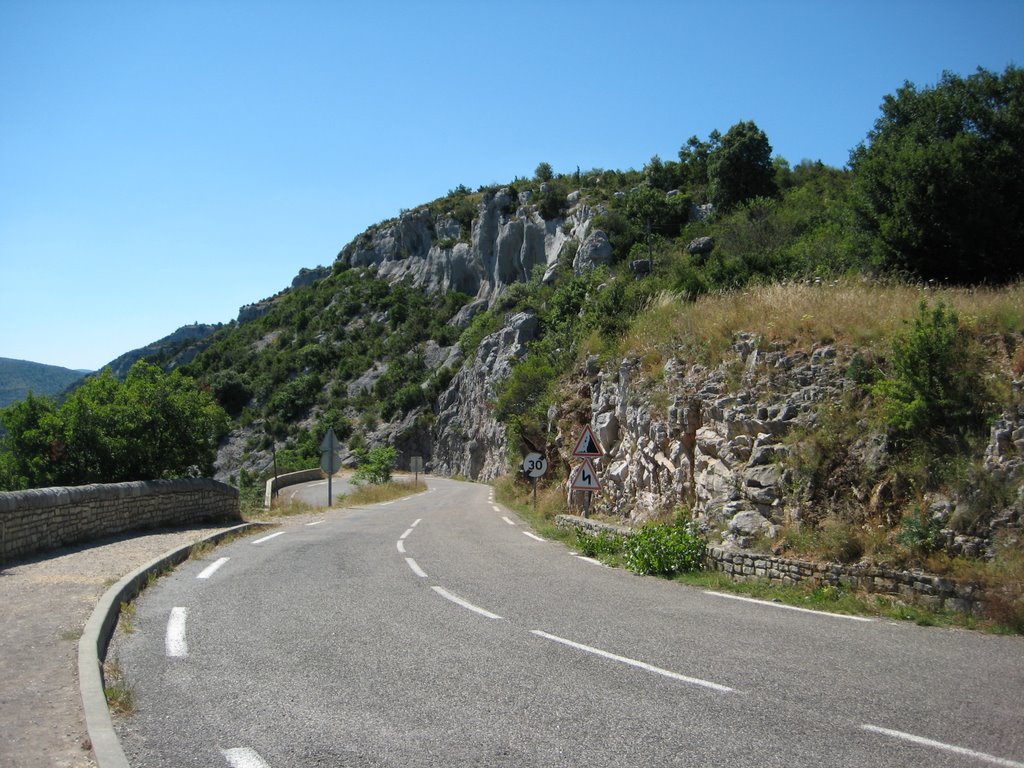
(163, 163)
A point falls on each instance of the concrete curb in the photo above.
(92, 647)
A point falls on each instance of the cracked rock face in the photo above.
(468, 439)
(718, 449)
(505, 245)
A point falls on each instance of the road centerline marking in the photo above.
(634, 663)
(788, 607)
(318, 522)
(268, 538)
(464, 603)
(243, 757)
(175, 645)
(401, 546)
(406, 534)
(415, 568)
(415, 522)
(952, 748)
(211, 569)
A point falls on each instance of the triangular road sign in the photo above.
(587, 445)
(585, 478)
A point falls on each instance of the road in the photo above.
(315, 493)
(440, 631)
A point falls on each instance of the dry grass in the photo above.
(377, 494)
(854, 312)
(120, 695)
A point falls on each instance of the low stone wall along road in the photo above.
(439, 630)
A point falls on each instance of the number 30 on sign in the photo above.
(535, 465)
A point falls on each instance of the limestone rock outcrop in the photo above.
(468, 439)
(509, 239)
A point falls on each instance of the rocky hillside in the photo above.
(484, 325)
(174, 350)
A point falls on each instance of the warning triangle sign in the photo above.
(587, 445)
(585, 478)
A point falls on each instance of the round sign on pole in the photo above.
(535, 465)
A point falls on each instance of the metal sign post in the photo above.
(330, 461)
(535, 465)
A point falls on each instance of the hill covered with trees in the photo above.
(19, 377)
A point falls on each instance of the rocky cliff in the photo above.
(732, 443)
(509, 239)
(467, 439)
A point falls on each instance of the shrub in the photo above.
(666, 549)
(601, 543)
(375, 466)
(936, 391)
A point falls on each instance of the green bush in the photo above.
(666, 549)
(936, 392)
(603, 543)
(375, 466)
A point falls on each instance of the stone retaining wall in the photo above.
(918, 587)
(46, 518)
(275, 484)
(925, 589)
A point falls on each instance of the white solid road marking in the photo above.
(787, 607)
(268, 538)
(243, 757)
(406, 534)
(415, 568)
(634, 663)
(533, 536)
(508, 521)
(174, 642)
(401, 546)
(209, 570)
(465, 604)
(944, 747)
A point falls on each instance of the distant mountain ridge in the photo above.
(19, 377)
(169, 352)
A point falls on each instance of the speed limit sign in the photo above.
(535, 465)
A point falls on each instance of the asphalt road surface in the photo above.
(315, 493)
(440, 631)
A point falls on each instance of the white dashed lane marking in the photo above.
(268, 538)
(634, 663)
(209, 570)
(464, 603)
(175, 644)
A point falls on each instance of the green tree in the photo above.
(375, 466)
(544, 172)
(740, 167)
(940, 181)
(153, 425)
(694, 157)
(936, 394)
(29, 442)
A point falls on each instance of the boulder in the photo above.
(595, 251)
(701, 246)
